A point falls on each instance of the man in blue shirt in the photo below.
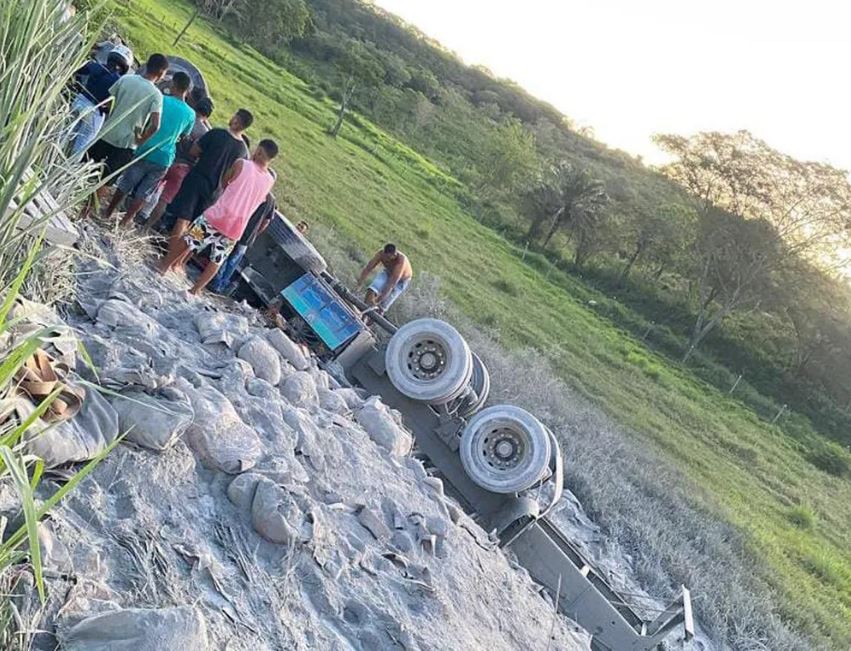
(155, 156)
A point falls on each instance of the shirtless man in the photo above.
(391, 281)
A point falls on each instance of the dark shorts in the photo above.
(201, 236)
(113, 158)
(141, 179)
(193, 198)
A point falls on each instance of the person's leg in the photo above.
(177, 233)
(117, 198)
(376, 287)
(156, 215)
(97, 153)
(149, 177)
(395, 293)
(206, 276)
(220, 248)
(222, 279)
(171, 259)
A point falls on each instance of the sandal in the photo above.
(38, 379)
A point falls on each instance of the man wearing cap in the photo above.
(90, 106)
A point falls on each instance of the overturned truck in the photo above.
(496, 461)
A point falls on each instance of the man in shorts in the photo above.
(133, 117)
(155, 156)
(391, 281)
(221, 225)
(215, 153)
(183, 161)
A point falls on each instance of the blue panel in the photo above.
(322, 310)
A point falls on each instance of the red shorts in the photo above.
(173, 180)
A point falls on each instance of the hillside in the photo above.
(368, 186)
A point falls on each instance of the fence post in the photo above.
(735, 384)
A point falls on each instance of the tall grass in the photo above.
(40, 48)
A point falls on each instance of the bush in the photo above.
(506, 286)
(802, 516)
(830, 458)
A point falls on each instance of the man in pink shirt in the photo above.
(244, 188)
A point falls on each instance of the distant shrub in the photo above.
(506, 286)
(830, 458)
(824, 568)
(802, 516)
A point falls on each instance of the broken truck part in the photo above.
(491, 460)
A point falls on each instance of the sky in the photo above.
(632, 68)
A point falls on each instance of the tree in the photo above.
(657, 233)
(788, 209)
(508, 160)
(220, 9)
(566, 196)
(359, 68)
(273, 22)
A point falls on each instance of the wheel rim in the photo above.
(505, 449)
(426, 358)
(502, 448)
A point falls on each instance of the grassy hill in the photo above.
(370, 188)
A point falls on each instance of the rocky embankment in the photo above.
(253, 503)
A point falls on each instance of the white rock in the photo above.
(220, 327)
(353, 400)
(332, 401)
(218, 435)
(241, 490)
(300, 390)
(139, 629)
(288, 350)
(153, 422)
(274, 515)
(375, 417)
(263, 359)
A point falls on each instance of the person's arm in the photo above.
(395, 275)
(198, 146)
(232, 173)
(150, 130)
(368, 268)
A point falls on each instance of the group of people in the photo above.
(160, 152)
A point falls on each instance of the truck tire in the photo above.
(429, 361)
(505, 449)
(479, 388)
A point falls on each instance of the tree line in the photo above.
(731, 231)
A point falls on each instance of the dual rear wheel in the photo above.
(504, 449)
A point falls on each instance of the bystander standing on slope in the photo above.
(133, 118)
(155, 156)
(218, 229)
(90, 104)
(215, 153)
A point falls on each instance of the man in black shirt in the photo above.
(215, 152)
(258, 223)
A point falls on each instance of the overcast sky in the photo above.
(631, 68)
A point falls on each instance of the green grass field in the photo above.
(370, 188)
